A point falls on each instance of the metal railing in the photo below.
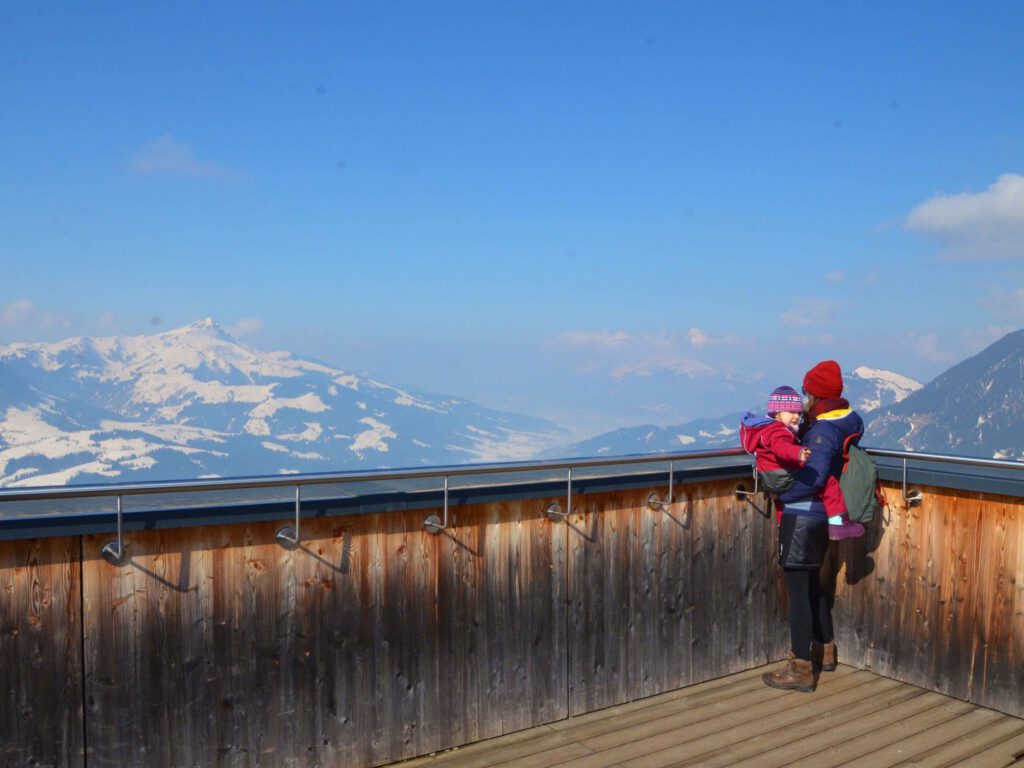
(289, 536)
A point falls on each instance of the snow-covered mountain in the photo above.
(976, 408)
(867, 389)
(195, 402)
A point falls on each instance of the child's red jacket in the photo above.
(773, 444)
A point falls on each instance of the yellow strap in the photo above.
(836, 414)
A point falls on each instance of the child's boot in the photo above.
(841, 527)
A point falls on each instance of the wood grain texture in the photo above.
(934, 595)
(661, 599)
(40, 653)
(373, 642)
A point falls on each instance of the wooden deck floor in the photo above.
(854, 718)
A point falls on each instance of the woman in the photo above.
(803, 531)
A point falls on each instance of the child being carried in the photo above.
(779, 456)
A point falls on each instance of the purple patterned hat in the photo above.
(785, 400)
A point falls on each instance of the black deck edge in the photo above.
(31, 527)
(978, 480)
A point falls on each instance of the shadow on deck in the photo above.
(853, 718)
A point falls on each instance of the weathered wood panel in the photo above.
(40, 653)
(934, 595)
(372, 643)
(662, 599)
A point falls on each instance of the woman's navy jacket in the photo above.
(825, 438)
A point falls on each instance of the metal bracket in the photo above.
(434, 524)
(913, 497)
(113, 551)
(288, 536)
(554, 510)
(654, 501)
(741, 491)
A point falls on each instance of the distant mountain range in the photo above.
(976, 408)
(868, 389)
(194, 402)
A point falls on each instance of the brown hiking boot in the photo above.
(824, 656)
(797, 675)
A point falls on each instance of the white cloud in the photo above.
(835, 277)
(592, 338)
(108, 322)
(808, 312)
(246, 326)
(871, 277)
(675, 364)
(166, 156)
(698, 338)
(23, 313)
(981, 225)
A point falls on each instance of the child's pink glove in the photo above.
(805, 454)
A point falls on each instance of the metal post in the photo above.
(433, 524)
(288, 536)
(654, 500)
(113, 551)
(914, 497)
(554, 510)
(741, 492)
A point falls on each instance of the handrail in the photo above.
(290, 481)
(945, 459)
(51, 493)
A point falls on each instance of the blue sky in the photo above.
(604, 213)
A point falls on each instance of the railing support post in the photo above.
(113, 551)
(554, 510)
(288, 536)
(654, 500)
(741, 491)
(434, 524)
(913, 497)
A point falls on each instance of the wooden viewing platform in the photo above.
(613, 632)
(854, 718)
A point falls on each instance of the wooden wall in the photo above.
(934, 596)
(375, 641)
(41, 652)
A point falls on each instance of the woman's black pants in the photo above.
(809, 616)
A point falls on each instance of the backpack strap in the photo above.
(850, 440)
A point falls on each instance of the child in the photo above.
(779, 456)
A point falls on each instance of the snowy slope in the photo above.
(195, 402)
(976, 408)
(866, 388)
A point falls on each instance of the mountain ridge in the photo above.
(193, 401)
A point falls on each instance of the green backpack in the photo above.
(859, 483)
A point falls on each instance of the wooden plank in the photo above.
(987, 737)
(664, 598)
(651, 722)
(722, 687)
(998, 756)
(940, 605)
(373, 642)
(794, 725)
(937, 736)
(40, 653)
(714, 719)
(852, 742)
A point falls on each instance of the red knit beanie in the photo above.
(824, 380)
